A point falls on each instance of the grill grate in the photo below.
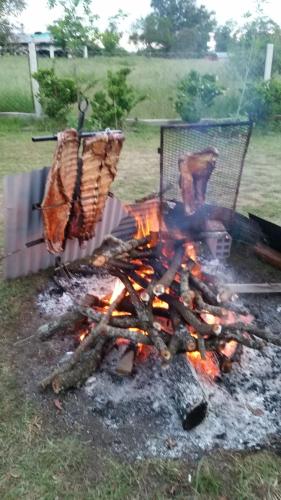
(230, 138)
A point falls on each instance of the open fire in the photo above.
(164, 302)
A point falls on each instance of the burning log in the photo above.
(113, 247)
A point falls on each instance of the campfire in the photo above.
(166, 304)
(163, 302)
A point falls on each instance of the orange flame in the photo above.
(118, 288)
(208, 367)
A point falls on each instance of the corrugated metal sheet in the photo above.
(23, 224)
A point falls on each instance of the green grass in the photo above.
(15, 87)
(138, 172)
(154, 77)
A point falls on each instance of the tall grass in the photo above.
(15, 86)
(156, 78)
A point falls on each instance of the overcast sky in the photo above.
(37, 16)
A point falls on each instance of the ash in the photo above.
(244, 407)
(62, 294)
(143, 413)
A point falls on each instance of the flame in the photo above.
(159, 303)
(118, 288)
(190, 251)
(208, 367)
(82, 336)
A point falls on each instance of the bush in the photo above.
(112, 106)
(262, 100)
(195, 95)
(55, 94)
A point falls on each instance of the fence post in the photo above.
(268, 61)
(85, 52)
(52, 51)
(34, 84)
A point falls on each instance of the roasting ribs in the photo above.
(195, 172)
(57, 201)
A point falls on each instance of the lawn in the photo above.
(153, 77)
(38, 458)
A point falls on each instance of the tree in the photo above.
(8, 8)
(154, 31)
(111, 37)
(248, 54)
(76, 28)
(225, 36)
(175, 25)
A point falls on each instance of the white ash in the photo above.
(58, 299)
(244, 409)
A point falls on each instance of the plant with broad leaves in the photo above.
(195, 95)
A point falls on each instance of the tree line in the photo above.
(172, 27)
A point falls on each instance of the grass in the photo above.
(15, 86)
(153, 77)
(139, 167)
(38, 458)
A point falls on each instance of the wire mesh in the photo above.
(15, 81)
(230, 138)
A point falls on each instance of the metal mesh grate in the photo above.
(230, 138)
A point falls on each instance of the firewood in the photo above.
(167, 278)
(66, 322)
(202, 287)
(76, 375)
(189, 317)
(204, 307)
(187, 295)
(87, 343)
(265, 334)
(113, 247)
(126, 363)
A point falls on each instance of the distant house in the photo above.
(43, 41)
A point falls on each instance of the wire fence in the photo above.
(15, 81)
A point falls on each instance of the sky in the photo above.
(37, 16)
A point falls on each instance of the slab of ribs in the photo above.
(195, 172)
(77, 188)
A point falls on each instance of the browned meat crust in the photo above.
(195, 171)
(59, 190)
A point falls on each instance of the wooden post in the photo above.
(268, 61)
(34, 84)
(85, 52)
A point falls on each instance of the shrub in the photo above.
(55, 94)
(262, 100)
(195, 94)
(110, 107)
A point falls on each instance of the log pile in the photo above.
(165, 302)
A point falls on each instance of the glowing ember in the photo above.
(82, 336)
(118, 288)
(229, 349)
(210, 319)
(159, 303)
(208, 367)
